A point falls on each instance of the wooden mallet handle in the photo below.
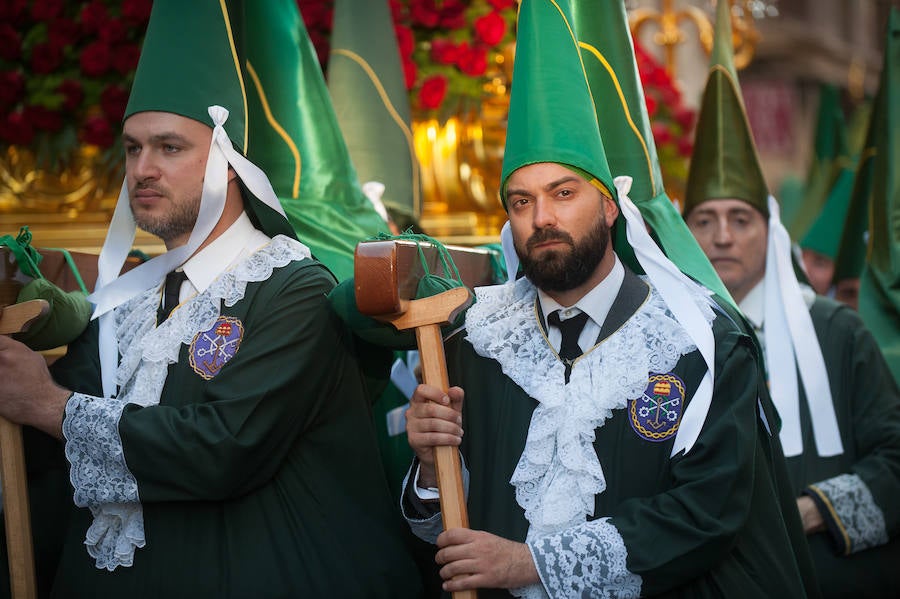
(16, 512)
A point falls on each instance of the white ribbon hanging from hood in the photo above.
(792, 344)
(679, 292)
(112, 290)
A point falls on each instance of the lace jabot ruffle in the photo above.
(559, 473)
(98, 471)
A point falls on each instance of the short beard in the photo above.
(559, 271)
(177, 223)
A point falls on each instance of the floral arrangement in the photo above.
(671, 122)
(446, 46)
(66, 68)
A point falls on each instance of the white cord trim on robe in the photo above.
(113, 290)
(98, 471)
(559, 473)
(680, 294)
(791, 345)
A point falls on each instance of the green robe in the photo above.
(264, 480)
(865, 479)
(711, 523)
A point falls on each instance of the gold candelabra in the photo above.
(670, 34)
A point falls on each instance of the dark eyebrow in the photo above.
(547, 187)
(160, 138)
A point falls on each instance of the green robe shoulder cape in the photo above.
(262, 481)
(857, 491)
(718, 522)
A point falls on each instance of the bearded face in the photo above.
(568, 264)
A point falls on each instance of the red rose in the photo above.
(409, 73)
(113, 100)
(10, 43)
(651, 105)
(661, 133)
(15, 129)
(12, 88)
(433, 91)
(444, 52)
(685, 147)
(398, 10)
(453, 15)
(316, 14)
(501, 4)
(63, 32)
(685, 117)
(46, 58)
(490, 28)
(12, 11)
(97, 131)
(405, 40)
(423, 15)
(94, 17)
(136, 12)
(113, 32)
(125, 58)
(43, 118)
(72, 94)
(96, 58)
(472, 60)
(46, 10)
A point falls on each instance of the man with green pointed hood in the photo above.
(838, 403)
(613, 444)
(211, 451)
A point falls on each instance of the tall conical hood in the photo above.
(549, 85)
(851, 257)
(825, 233)
(879, 298)
(365, 78)
(724, 163)
(189, 61)
(830, 155)
(608, 54)
(295, 138)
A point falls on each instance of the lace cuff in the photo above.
(587, 560)
(94, 450)
(854, 520)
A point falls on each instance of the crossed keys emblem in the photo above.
(212, 349)
(655, 415)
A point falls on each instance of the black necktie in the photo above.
(171, 292)
(571, 329)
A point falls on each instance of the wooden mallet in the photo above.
(386, 276)
(14, 319)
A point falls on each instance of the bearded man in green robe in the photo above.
(627, 455)
(211, 451)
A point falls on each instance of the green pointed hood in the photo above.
(608, 54)
(166, 81)
(365, 78)
(551, 111)
(879, 298)
(724, 163)
(830, 155)
(825, 234)
(294, 137)
(851, 257)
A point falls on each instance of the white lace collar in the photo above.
(559, 473)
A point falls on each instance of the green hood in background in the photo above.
(608, 54)
(724, 163)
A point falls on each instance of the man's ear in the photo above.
(610, 209)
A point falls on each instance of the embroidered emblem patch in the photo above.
(211, 350)
(655, 415)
